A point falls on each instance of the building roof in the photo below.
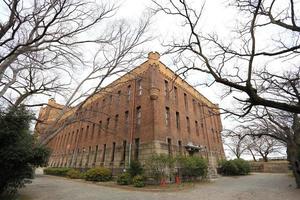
(153, 61)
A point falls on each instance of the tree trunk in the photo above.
(293, 152)
(265, 158)
(253, 156)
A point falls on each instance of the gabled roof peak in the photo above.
(153, 55)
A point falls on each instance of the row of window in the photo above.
(65, 139)
(77, 159)
(177, 116)
(185, 98)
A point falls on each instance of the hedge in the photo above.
(124, 179)
(234, 167)
(98, 174)
(57, 171)
(138, 181)
(75, 174)
(192, 166)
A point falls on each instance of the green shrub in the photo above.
(138, 181)
(57, 171)
(243, 166)
(192, 166)
(235, 167)
(124, 179)
(229, 168)
(135, 168)
(159, 166)
(74, 174)
(98, 174)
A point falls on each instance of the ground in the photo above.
(256, 186)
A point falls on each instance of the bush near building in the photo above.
(56, 171)
(100, 174)
(74, 174)
(135, 168)
(163, 166)
(124, 179)
(138, 181)
(192, 167)
(159, 166)
(234, 167)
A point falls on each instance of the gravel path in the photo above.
(255, 186)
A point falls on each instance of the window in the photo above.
(107, 123)
(103, 102)
(116, 121)
(139, 86)
(138, 116)
(175, 95)
(78, 151)
(128, 93)
(124, 152)
(118, 98)
(103, 154)
(167, 116)
(185, 101)
(95, 155)
(166, 89)
(88, 156)
(100, 127)
(82, 154)
(169, 146)
(194, 105)
(137, 148)
(113, 152)
(197, 127)
(188, 124)
(177, 120)
(126, 119)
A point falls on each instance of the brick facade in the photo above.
(148, 110)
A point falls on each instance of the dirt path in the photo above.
(256, 187)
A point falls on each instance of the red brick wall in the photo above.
(152, 128)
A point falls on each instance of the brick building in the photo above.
(148, 110)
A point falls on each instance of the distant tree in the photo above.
(249, 63)
(264, 146)
(19, 153)
(234, 140)
(43, 47)
(244, 139)
(65, 48)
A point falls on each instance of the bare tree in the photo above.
(242, 64)
(246, 63)
(265, 145)
(235, 142)
(283, 127)
(45, 37)
(43, 45)
(111, 61)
